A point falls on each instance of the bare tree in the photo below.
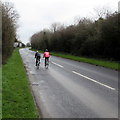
(0, 32)
(9, 26)
(56, 26)
(102, 12)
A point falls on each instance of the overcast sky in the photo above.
(35, 15)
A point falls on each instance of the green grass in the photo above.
(103, 63)
(17, 100)
(0, 92)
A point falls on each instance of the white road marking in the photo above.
(57, 64)
(93, 80)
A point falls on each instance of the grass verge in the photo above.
(17, 101)
(0, 92)
(103, 63)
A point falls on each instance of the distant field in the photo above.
(17, 101)
(103, 63)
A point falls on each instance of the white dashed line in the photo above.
(93, 80)
(57, 64)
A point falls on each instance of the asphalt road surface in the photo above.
(70, 89)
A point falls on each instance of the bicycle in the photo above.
(38, 63)
(47, 64)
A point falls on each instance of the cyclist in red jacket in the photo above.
(46, 55)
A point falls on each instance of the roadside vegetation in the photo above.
(99, 39)
(0, 92)
(17, 101)
(9, 28)
(103, 63)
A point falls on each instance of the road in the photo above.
(70, 89)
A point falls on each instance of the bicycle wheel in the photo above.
(47, 63)
(38, 63)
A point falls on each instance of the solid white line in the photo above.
(57, 64)
(94, 80)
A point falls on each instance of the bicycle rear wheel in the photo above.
(47, 63)
(38, 64)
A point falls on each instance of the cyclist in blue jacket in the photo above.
(37, 56)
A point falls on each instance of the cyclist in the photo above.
(37, 56)
(46, 55)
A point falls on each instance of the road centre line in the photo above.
(57, 64)
(93, 80)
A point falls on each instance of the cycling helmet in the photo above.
(46, 50)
